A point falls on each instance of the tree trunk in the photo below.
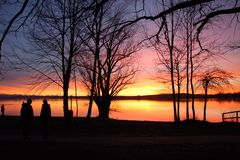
(179, 92)
(205, 105)
(171, 46)
(76, 95)
(173, 91)
(103, 113)
(178, 104)
(193, 99)
(65, 88)
(187, 74)
(65, 101)
(191, 63)
(90, 105)
(103, 107)
(92, 89)
(96, 58)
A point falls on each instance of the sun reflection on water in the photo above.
(144, 110)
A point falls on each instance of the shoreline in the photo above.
(158, 97)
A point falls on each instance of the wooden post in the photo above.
(223, 117)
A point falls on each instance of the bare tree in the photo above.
(164, 71)
(188, 38)
(169, 56)
(93, 26)
(55, 35)
(180, 68)
(116, 72)
(195, 56)
(108, 68)
(185, 46)
(213, 79)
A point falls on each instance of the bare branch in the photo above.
(11, 23)
(204, 21)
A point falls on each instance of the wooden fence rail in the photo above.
(232, 116)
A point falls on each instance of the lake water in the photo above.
(144, 110)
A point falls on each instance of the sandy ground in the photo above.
(114, 139)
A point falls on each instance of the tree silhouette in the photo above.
(169, 56)
(107, 66)
(55, 45)
(187, 56)
(195, 57)
(213, 79)
(93, 28)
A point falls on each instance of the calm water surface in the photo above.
(130, 109)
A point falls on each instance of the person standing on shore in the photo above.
(2, 109)
(45, 115)
(26, 117)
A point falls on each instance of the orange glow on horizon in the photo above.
(144, 84)
(144, 87)
(140, 88)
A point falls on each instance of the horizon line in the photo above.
(124, 96)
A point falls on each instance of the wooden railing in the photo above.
(233, 116)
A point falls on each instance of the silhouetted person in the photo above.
(26, 117)
(45, 115)
(2, 109)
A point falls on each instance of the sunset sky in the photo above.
(16, 82)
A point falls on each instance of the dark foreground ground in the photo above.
(115, 139)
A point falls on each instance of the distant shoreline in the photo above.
(160, 97)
